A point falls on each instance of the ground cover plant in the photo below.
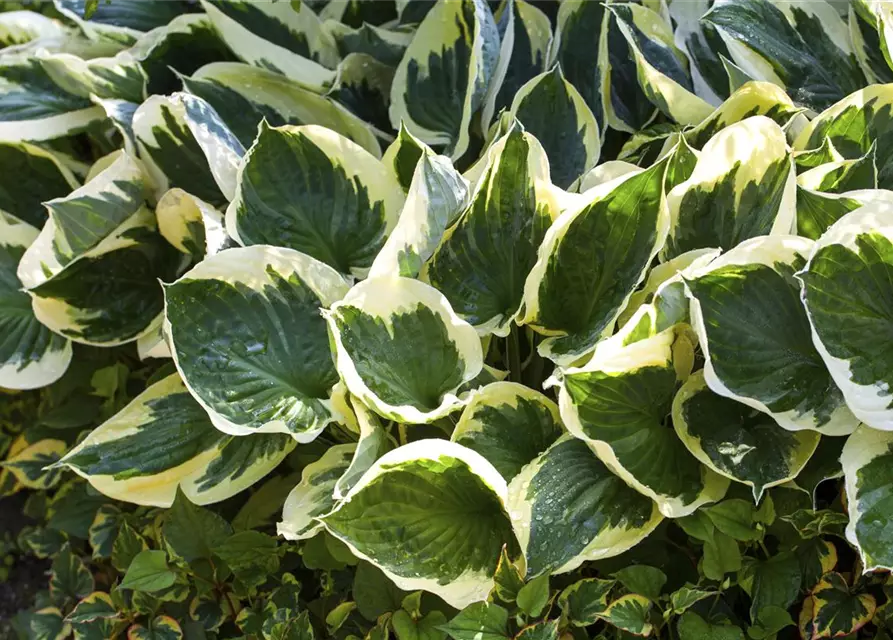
(455, 319)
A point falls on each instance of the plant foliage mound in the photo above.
(456, 319)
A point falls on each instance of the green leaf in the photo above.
(192, 532)
(148, 572)
(377, 327)
(509, 424)
(31, 176)
(554, 112)
(295, 210)
(69, 578)
(749, 298)
(163, 127)
(743, 186)
(866, 464)
(374, 592)
(442, 79)
(534, 596)
(643, 580)
(691, 626)
(314, 495)
(484, 259)
(507, 579)
(33, 466)
(186, 43)
(816, 212)
(577, 41)
(418, 493)
(128, 16)
(618, 403)
(256, 387)
(737, 441)
(530, 40)
(46, 623)
(437, 194)
(721, 556)
(592, 259)
(251, 555)
(734, 518)
(662, 69)
(119, 77)
(776, 583)
(842, 175)
(848, 269)
(164, 439)
(426, 628)
(802, 48)
(601, 515)
(339, 615)
(30, 354)
(853, 125)
(583, 601)
(479, 621)
(277, 37)
(93, 272)
(33, 108)
(265, 503)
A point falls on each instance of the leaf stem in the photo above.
(513, 349)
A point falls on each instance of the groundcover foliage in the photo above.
(466, 319)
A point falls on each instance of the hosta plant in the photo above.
(482, 320)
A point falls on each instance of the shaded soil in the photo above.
(27, 576)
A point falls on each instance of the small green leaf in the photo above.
(149, 572)
(479, 621)
(534, 596)
(374, 592)
(427, 628)
(251, 555)
(643, 580)
(338, 616)
(691, 626)
(721, 556)
(193, 532)
(69, 578)
(734, 518)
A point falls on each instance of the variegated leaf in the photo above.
(743, 186)
(377, 327)
(163, 440)
(485, 257)
(443, 76)
(756, 338)
(618, 402)
(313, 190)
(846, 289)
(246, 334)
(736, 440)
(592, 259)
(509, 424)
(432, 516)
(567, 508)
